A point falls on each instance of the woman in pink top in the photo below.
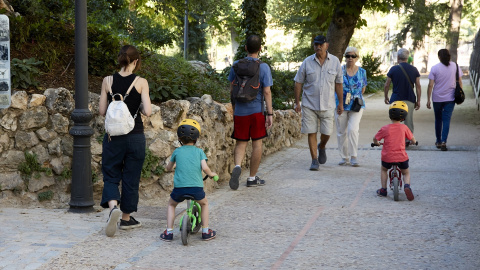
(441, 90)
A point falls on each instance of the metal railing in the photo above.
(474, 69)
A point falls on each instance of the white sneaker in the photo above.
(343, 162)
(111, 227)
(354, 162)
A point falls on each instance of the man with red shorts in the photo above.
(249, 120)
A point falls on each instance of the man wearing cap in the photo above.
(320, 76)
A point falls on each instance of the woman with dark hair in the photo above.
(123, 156)
(441, 90)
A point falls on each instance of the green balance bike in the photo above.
(191, 221)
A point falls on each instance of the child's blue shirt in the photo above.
(188, 172)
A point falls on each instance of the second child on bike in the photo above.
(393, 150)
(189, 161)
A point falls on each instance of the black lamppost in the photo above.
(81, 190)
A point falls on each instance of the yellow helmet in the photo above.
(398, 110)
(189, 128)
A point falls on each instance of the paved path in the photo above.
(330, 219)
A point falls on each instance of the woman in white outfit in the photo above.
(348, 123)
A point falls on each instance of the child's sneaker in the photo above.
(127, 225)
(382, 192)
(166, 237)
(111, 227)
(408, 192)
(209, 236)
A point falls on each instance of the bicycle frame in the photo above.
(395, 172)
(189, 212)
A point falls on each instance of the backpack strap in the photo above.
(456, 74)
(110, 83)
(131, 86)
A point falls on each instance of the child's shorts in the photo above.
(402, 165)
(197, 192)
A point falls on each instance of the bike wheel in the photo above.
(185, 230)
(395, 189)
(198, 225)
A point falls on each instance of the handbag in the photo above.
(358, 101)
(459, 94)
(357, 104)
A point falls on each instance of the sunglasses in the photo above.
(350, 56)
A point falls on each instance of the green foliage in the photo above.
(102, 50)
(151, 164)
(371, 64)
(66, 174)
(283, 96)
(31, 166)
(45, 196)
(94, 176)
(24, 73)
(175, 78)
(375, 81)
(254, 22)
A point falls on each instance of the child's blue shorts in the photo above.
(402, 165)
(197, 192)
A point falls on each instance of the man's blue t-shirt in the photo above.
(254, 106)
(188, 172)
(402, 90)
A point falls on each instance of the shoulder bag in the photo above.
(358, 101)
(459, 94)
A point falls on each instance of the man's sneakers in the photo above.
(235, 177)
(256, 182)
(315, 165)
(354, 162)
(408, 192)
(130, 224)
(166, 236)
(322, 155)
(209, 235)
(382, 192)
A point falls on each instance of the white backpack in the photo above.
(118, 120)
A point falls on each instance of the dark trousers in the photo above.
(122, 160)
(443, 114)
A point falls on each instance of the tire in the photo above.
(395, 189)
(185, 230)
(195, 213)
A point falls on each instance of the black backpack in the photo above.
(246, 84)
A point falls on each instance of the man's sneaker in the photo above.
(209, 236)
(235, 177)
(382, 192)
(111, 227)
(322, 155)
(344, 161)
(127, 225)
(256, 182)
(408, 192)
(315, 165)
(166, 237)
(354, 162)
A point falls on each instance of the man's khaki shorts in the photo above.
(310, 121)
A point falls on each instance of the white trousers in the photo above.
(348, 124)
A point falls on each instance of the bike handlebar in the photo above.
(215, 178)
(373, 145)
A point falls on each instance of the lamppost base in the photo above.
(81, 209)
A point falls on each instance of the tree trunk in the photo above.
(341, 28)
(454, 31)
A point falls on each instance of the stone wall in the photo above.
(40, 124)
